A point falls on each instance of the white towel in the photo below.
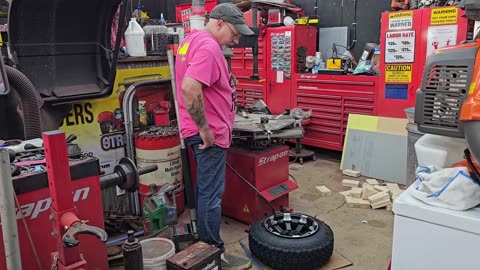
(451, 188)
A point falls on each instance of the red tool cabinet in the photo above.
(284, 45)
(332, 98)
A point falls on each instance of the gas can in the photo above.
(134, 37)
(195, 257)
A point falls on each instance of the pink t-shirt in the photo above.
(200, 57)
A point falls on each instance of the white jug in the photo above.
(134, 37)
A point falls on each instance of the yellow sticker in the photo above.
(245, 209)
(472, 88)
(396, 15)
(444, 16)
(400, 20)
(398, 73)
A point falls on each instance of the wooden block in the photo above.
(363, 203)
(381, 188)
(324, 191)
(351, 202)
(345, 193)
(382, 196)
(380, 204)
(392, 187)
(350, 183)
(356, 192)
(372, 181)
(351, 173)
(366, 185)
(368, 191)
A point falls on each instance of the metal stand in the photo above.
(65, 223)
(299, 154)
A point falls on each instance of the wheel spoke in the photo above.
(291, 225)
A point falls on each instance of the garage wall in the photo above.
(340, 13)
(331, 13)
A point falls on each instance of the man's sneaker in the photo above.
(232, 262)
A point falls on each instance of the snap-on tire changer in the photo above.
(50, 240)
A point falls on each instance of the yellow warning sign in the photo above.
(398, 73)
(400, 20)
(444, 16)
(398, 15)
(245, 209)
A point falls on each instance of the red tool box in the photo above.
(266, 170)
(34, 197)
(332, 98)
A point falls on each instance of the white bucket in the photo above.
(197, 22)
(134, 37)
(439, 150)
(155, 252)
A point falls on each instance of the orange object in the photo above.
(400, 4)
(471, 106)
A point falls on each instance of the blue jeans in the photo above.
(211, 163)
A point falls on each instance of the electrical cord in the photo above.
(28, 233)
(253, 187)
(293, 178)
(335, 52)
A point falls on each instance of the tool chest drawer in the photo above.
(242, 59)
(331, 98)
(249, 91)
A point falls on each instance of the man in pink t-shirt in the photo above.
(206, 102)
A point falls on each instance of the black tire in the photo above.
(283, 253)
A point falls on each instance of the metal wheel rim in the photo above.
(291, 225)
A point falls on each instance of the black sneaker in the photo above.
(232, 262)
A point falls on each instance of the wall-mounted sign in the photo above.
(400, 47)
(400, 20)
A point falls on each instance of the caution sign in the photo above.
(400, 20)
(444, 16)
(398, 73)
(245, 209)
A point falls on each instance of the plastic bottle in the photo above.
(156, 39)
(142, 111)
(134, 37)
(162, 20)
(132, 253)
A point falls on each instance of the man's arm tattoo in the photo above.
(197, 111)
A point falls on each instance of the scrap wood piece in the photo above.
(350, 183)
(351, 173)
(324, 191)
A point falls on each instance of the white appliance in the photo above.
(427, 237)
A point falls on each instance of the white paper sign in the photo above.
(279, 76)
(441, 36)
(400, 47)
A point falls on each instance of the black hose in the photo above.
(30, 99)
(253, 187)
(475, 173)
(354, 41)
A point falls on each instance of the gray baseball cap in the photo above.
(232, 14)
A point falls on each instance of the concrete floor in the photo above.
(366, 244)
